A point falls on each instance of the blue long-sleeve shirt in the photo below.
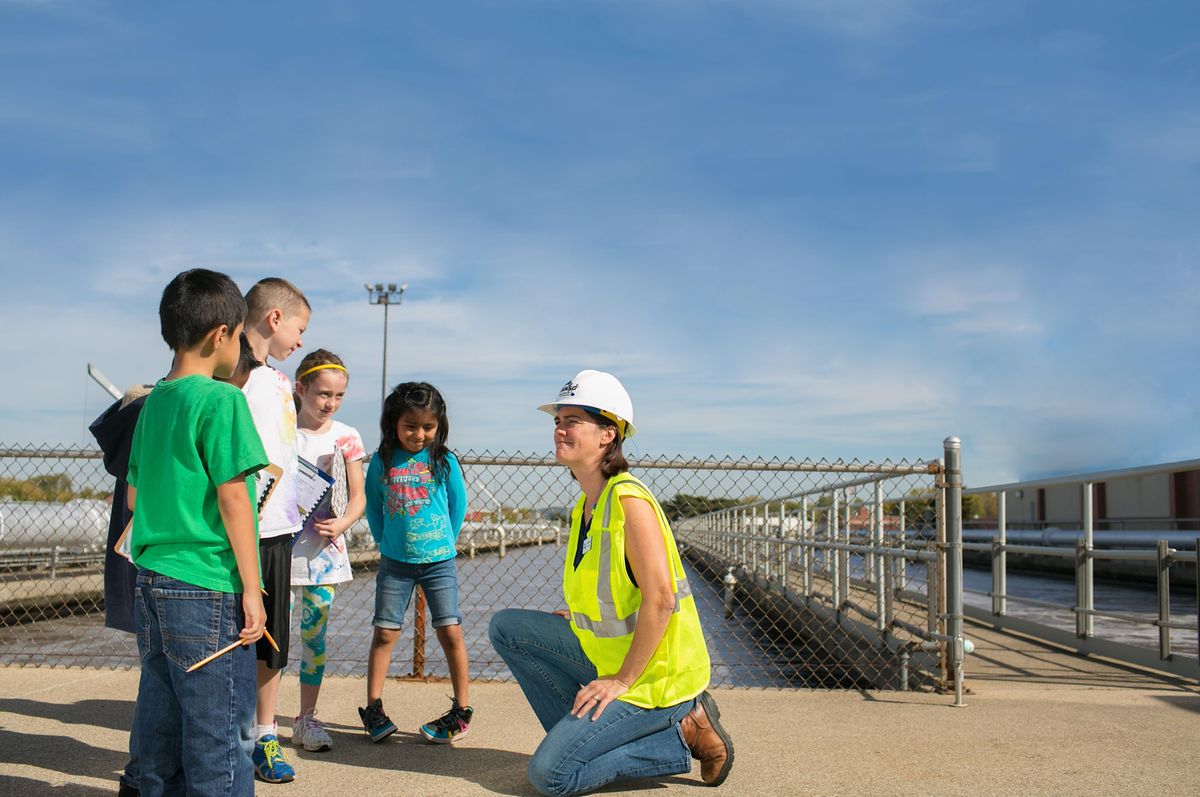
(413, 516)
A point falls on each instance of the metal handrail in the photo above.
(1090, 478)
(721, 533)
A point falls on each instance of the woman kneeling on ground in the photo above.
(618, 679)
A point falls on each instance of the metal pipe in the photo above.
(844, 596)
(1080, 558)
(1000, 556)
(1094, 477)
(782, 562)
(1164, 600)
(877, 561)
(418, 658)
(806, 553)
(834, 560)
(730, 583)
(1089, 570)
(954, 608)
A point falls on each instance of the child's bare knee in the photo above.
(385, 636)
(450, 635)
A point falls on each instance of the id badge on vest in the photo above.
(587, 545)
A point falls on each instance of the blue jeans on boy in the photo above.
(579, 755)
(193, 729)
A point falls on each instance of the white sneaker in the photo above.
(309, 733)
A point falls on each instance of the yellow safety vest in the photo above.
(603, 602)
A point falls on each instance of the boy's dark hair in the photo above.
(247, 362)
(406, 397)
(196, 302)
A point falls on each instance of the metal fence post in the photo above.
(1080, 559)
(1000, 558)
(902, 573)
(754, 541)
(1164, 600)
(834, 557)
(735, 540)
(844, 595)
(806, 551)
(878, 561)
(954, 608)
(783, 548)
(418, 658)
(1089, 584)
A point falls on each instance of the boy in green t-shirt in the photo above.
(195, 542)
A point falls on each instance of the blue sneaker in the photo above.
(269, 762)
(451, 726)
(375, 722)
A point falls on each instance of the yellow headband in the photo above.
(319, 367)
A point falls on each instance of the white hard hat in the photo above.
(600, 392)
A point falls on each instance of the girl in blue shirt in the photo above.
(416, 501)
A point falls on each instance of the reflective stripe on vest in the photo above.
(609, 625)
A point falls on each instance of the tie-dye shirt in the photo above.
(414, 517)
(269, 394)
(317, 559)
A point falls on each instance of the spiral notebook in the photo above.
(314, 491)
(267, 480)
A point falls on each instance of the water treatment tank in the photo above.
(77, 525)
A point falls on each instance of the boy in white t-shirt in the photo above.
(276, 316)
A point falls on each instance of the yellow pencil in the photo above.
(216, 655)
(270, 641)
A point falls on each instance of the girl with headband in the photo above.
(319, 558)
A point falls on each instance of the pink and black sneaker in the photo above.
(451, 726)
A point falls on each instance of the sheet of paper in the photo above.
(312, 487)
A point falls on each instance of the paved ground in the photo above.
(1038, 721)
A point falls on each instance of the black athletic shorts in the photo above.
(275, 559)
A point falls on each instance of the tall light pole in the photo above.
(387, 296)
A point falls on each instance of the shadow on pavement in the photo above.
(59, 753)
(27, 787)
(115, 715)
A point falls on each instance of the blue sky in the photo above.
(843, 228)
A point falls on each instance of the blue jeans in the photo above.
(394, 585)
(579, 755)
(131, 776)
(193, 729)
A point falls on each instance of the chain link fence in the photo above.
(806, 574)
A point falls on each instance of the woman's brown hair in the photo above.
(613, 461)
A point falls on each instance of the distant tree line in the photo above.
(48, 487)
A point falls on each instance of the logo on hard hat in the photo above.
(568, 389)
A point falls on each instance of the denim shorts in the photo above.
(394, 585)
(193, 729)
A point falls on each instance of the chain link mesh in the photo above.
(806, 574)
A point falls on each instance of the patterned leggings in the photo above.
(315, 602)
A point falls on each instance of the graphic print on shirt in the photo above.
(408, 488)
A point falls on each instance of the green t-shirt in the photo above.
(194, 433)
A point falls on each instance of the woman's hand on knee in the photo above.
(597, 695)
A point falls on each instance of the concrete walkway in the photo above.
(1038, 721)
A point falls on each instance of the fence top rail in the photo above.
(727, 463)
(886, 468)
(47, 452)
(1093, 477)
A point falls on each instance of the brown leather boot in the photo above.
(707, 740)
